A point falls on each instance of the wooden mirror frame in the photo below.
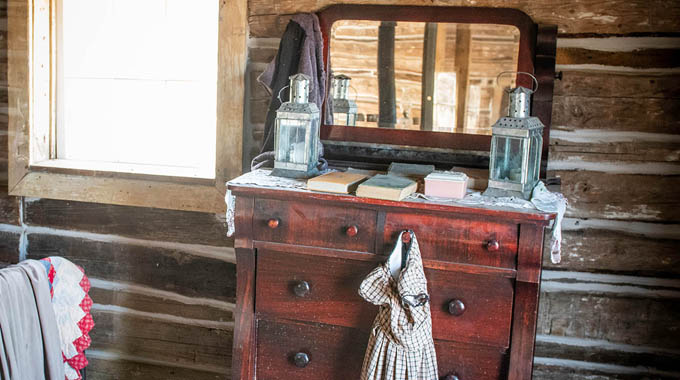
(537, 48)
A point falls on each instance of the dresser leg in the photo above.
(523, 330)
(243, 356)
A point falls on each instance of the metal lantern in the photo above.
(344, 109)
(296, 143)
(516, 145)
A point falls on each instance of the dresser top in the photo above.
(259, 182)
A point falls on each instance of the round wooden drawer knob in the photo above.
(352, 231)
(493, 245)
(273, 223)
(456, 308)
(302, 289)
(451, 376)
(301, 360)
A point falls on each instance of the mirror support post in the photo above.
(463, 37)
(387, 117)
(428, 81)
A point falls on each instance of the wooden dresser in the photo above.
(301, 256)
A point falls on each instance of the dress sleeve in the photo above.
(375, 287)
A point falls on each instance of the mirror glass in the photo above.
(425, 76)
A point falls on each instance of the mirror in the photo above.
(503, 38)
(424, 76)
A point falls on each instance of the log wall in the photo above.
(610, 309)
(163, 281)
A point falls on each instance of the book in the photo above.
(415, 172)
(411, 171)
(336, 182)
(385, 186)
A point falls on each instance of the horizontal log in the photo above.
(165, 269)
(605, 145)
(633, 320)
(607, 251)
(622, 114)
(151, 300)
(9, 208)
(550, 368)
(262, 54)
(572, 17)
(9, 247)
(620, 196)
(155, 339)
(110, 366)
(268, 26)
(628, 152)
(139, 222)
(642, 59)
(617, 85)
(597, 351)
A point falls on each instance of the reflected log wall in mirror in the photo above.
(427, 119)
(444, 74)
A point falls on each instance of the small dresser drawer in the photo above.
(293, 350)
(457, 240)
(465, 307)
(470, 362)
(309, 351)
(317, 225)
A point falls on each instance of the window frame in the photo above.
(33, 170)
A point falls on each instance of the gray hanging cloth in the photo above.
(400, 346)
(300, 51)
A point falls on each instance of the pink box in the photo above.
(446, 184)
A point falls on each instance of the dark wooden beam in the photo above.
(386, 86)
(463, 37)
(429, 61)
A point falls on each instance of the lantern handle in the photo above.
(280, 91)
(519, 72)
(356, 93)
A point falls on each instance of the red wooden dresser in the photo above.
(301, 256)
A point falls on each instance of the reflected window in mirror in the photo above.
(425, 76)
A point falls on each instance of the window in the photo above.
(137, 84)
(124, 96)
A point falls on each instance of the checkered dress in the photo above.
(401, 345)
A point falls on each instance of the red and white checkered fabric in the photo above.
(69, 287)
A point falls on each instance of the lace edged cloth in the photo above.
(542, 200)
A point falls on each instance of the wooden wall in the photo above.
(163, 281)
(611, 309)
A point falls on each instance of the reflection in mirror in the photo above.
(425, 76)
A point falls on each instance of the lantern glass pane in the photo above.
(507, 159)
(291, 141)
(533, 160)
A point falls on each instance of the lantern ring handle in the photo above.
(520, 72)
(356, 93)
(280, 91)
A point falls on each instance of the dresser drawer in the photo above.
(334, 352)
(465, 307)
(311, 224)
(457, 240)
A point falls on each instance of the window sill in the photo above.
(166, 193)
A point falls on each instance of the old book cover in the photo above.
(416, 172)
(336, 182)
(389, 187)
